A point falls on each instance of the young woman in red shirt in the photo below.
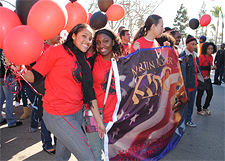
(206, 64)
(106, 45)
(69, 84)
(146, 35)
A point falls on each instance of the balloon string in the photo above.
(17, 73)
(13, 83)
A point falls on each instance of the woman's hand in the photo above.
(101, 130)
(136, 46)
(94, 109)
(166, 43)
(213, 67)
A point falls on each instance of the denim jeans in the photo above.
(95, 142)
(45, 134)
(70, 136)
(6, 94)
(46, 137)
(18, 95)
(26, 91)
(34, 118)
(191, 101)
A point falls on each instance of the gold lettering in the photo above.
(170, 60)
(136, 91)
(146, 65)
(151, 64)
(156, 77)
(160, 62)
(140, 67)
(148, 90)
(135, 72)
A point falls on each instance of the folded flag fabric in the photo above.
(149, 116)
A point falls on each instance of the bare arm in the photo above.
(94, 109)
(29, 76)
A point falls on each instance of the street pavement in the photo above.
(202, 143)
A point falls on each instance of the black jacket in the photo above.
(219, 59)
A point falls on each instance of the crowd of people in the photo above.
(72, 79)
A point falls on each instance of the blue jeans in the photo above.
(6, 94)
(191, 100)
(34, 118)
(46, 137)
(95, 142)
(18, 95)
(45, 134)
(26, 91)
(70, 137)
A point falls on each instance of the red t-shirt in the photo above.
(144, 43)
(100, 76)
(205, 61)
(126, 48)
(63, 95)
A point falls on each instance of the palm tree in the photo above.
(213, 27)
(216, 14)
(222, 16)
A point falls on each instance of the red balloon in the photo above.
(115, 12)
(76, 14)
(205, 20)
(89, 17)
(47, 17)
(23, 45)
(8, 20)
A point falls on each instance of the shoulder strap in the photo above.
(208, 64)
(108, 86)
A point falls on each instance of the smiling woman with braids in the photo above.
(69, 84)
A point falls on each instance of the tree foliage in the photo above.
(216, 13)
(203, 10)
(181, 20)
(136, 12)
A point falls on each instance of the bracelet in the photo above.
(23, 71)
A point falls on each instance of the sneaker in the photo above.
(17, 104)
(191, 124)
(18, 123)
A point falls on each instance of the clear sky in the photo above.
(168, 9)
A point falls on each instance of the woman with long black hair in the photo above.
(68, 84)
(206, 64)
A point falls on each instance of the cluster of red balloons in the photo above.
(23, 32)
(204, 21)
(108, 11)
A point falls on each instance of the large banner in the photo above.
(149, 116)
